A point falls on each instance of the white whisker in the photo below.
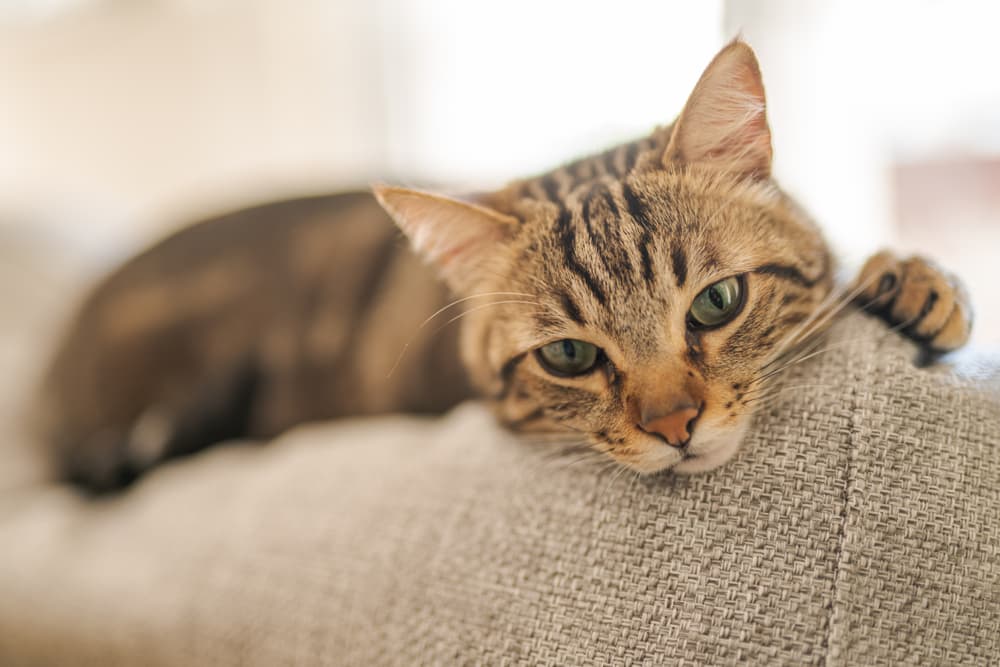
(481, 307)
(469, 298)
(835, 302)
(810, 354)
(406, 345)
(784, 390)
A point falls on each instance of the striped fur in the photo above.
(615, 256)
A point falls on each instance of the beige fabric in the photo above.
(859, 525)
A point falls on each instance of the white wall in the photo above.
(854, 86)
(123, 115)
(120, 115)
(488, 91)
(857, 87)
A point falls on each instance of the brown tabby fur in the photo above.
(250, 323)
(242, 326)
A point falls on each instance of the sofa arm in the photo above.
(858, 524)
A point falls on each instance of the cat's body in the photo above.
(242, 326)
(638, 300)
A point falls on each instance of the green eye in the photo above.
(717, 303)
(568, 357)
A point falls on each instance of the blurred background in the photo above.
(120, 119)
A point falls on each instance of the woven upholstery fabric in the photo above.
(860, 524)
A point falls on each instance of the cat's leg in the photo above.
(928, 304)
(98, 462)
(112, 457)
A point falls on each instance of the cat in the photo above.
(640, 298)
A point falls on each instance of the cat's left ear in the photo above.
(724, 123)
(456, 237)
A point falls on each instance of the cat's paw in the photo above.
(926, 303)
(98, 465)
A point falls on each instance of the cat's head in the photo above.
(634, 297)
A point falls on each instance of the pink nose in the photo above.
(675, 427)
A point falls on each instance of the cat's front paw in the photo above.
(925, 302)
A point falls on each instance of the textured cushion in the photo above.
(860, 524)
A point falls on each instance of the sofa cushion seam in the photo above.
(839, 549)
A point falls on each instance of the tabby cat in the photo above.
(639, 298)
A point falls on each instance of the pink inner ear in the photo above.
(741, 140)
(724, 122)
(448, 255)
(450, 236)
(453, 235)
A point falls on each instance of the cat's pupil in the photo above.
(569, 349)
(716, 298)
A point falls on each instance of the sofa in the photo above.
(858, 525)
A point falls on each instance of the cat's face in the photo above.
(634, 298)
(657, 294)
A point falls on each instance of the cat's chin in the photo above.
(715, 450)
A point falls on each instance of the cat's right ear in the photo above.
(454, 236)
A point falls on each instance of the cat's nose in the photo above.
(675, 427)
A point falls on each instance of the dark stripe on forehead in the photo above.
(600, 193)
(678, 260)
(567, 235)
(587, 213)
(572, 310)
(610, 202)
(709, 254)
(636, 209)
(788, 272)
(605, 228)
(647, 262)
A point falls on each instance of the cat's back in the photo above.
(247, 323)
(257, 259)
(264, 234)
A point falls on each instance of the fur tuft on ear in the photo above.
(455, 236)
(724, 122)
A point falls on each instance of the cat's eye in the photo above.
(568, 357)
(716, 304)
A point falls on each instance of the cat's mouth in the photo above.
(709, 448)
(712, 447)
(709, 459)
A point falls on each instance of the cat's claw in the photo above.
(926, 303)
